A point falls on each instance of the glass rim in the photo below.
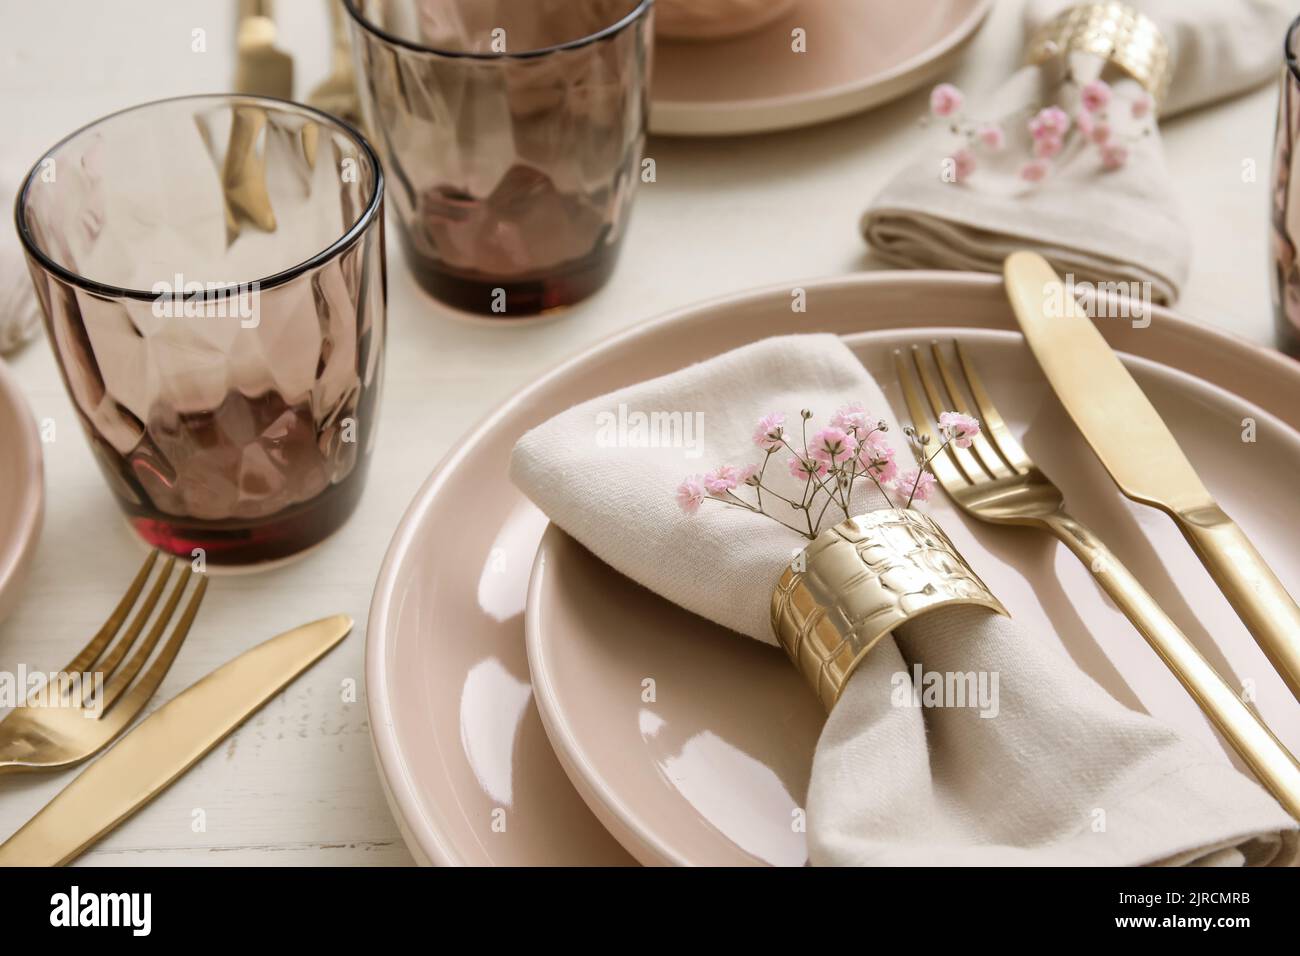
(1288, 49)
(108, 290)
(614, 28)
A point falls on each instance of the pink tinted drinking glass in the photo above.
(512, 133)
(211, 270)
(1285, 218)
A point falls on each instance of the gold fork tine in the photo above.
(966, 462)
(139, 695)
(122, 680)
(945, 470)
(984, 450)
(119, 650)
(81, 663)
(36, 737)
(999, 435)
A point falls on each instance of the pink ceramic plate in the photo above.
(22, 490)
(859, 54)
(471, 776)
(712, 772)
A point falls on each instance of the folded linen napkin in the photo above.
(1063, 774)
(1100, 225)
(20, 314)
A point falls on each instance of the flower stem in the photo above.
(762, 471)
(925, 463)
(739, 503)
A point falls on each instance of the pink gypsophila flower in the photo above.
(768, 431)
(851, 418)
(1034, 171)
(805, 470)
(1114, 155)
(964, 164)
(1095, 96)
(690, 494)
(722, 480)
(877, 461)
(1141, 106)
(1101, 133)
(832, 445)
(1048, 146)
(945, 100)
(1085, 123)
(1050, 123)
(922, 482)
(748, 475)
(992, 136)
(958, 428)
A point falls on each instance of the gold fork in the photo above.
(68, 721)
(995, 481)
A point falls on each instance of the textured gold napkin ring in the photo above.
(857, 582)
(1113, 31)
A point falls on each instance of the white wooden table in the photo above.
(297, 785)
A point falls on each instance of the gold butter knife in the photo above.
(166, 744)
(1136, 447)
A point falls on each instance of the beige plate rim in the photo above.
(773, 113)
(1254, 370)
(26, 510)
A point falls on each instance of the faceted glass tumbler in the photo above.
(1284, 232)
(211, 271)
(512, 133)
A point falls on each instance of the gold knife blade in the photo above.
(166, 744)
(261, 68)
(1137, 448)
(1111, 410)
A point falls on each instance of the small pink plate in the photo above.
(858, 54)
(470, 773)
(713, 770)
(22, 490)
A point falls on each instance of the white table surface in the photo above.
(297, 784)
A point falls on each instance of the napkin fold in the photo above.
(1055, 772)
(1099, 225)
(20, 313)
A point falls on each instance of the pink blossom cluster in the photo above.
(1049, 129)
(946, 103)
(850, 450)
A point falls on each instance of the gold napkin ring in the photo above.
(857, 582)
(1113, 31)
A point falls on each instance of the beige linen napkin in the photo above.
(1099, 225)
(20, 313)
(1061, 773)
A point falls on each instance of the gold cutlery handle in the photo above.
(1266, 756)
(1251, 587)
(255, 8)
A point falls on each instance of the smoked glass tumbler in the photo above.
(211, 269)
(1284, 220)
(512, 134)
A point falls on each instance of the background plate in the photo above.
(860, 54)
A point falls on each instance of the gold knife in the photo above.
(261, 68)
(166, 744)
(337, 93)
(1135, 445)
